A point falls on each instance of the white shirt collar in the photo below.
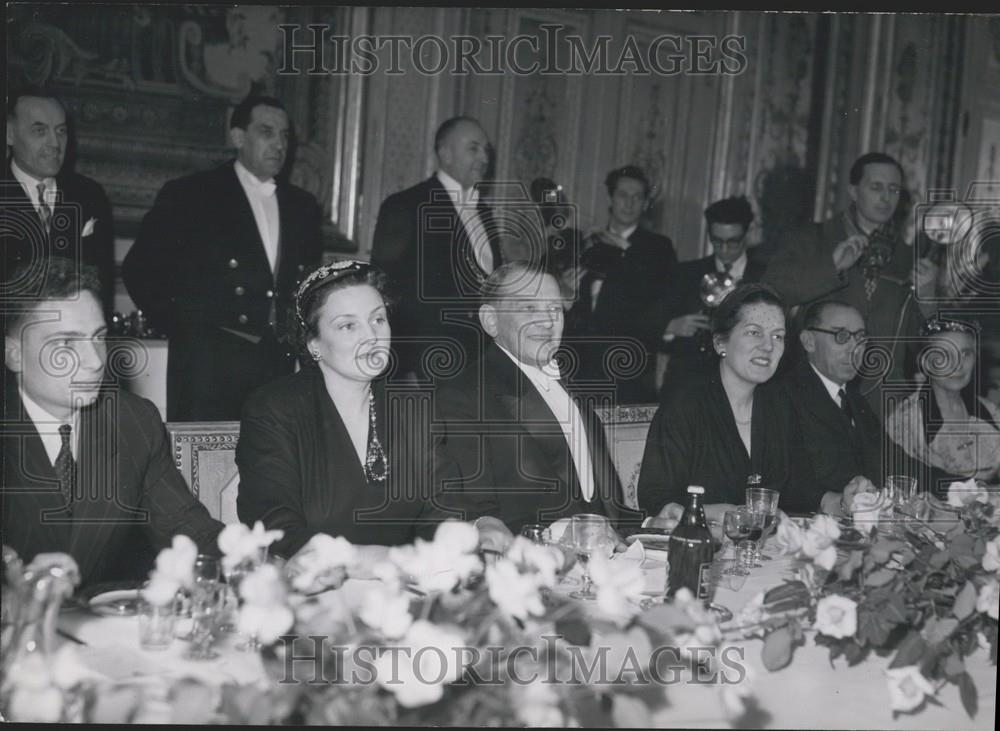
(627, 232)
(831, 387)
(737, 269)
(542, 377)
(30, 183)
(249, 180)
(458, 194)
(47, 426)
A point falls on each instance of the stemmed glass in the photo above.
(901, 492)
(738, 526)
(588, 534)
(765, 502)
(207, 602)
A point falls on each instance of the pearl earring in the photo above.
(722, 353)
(315, 355)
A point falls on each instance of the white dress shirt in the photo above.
(48, 425)
(736, 270)
(264, 205)
(567, 414)
(466, 202)
(30, 185)
(831, 388)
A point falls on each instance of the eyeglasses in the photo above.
(842, 335)
(727, 243)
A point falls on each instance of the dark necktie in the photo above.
(845, 405)
(44, 212)
(66, 466)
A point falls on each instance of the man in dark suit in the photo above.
(680, 317)
(624, 268)
(46, 210)
(842, 438)
(437, 243)
(215, 266)
(513, 445)
(87, 468)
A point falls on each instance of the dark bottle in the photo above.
(691, 550)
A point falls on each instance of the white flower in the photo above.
(989, 599)
(545, 560)
(991, 559)
(239, 543)
(961, 494)
(265, 611)
(826, 527)
(456, 536)
(514, 592)
(817, 542)
(322, 556)
(386, 611)
(907, 688)
(537, 705)
(866, 507)
(434, 566)
(428, 657)
(264, 587)
(836, 616)
(177, 562)
(789, 537)
(161, 589)
(753, 611)
(619, 587)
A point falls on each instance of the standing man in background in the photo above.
(216, 263)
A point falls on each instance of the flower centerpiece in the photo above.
(924, 594)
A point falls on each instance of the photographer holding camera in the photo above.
(623, 268)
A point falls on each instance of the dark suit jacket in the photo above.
(131, 500)
(80, 200)
(833, 450)
(299, 471)
(618, 319)
(198, 265)
(421, 244)
(499, 451)
(690, 358)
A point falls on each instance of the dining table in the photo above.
(812, 692)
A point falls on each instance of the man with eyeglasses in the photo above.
(841, 436)
(680, 317)
(860, 258)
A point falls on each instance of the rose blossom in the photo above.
(907, 688)
(620, 587)
(265, 612)
(961, 494)
(788, 537)
(177, 562)
(991, 559)
(434, 566)
(989, 599)
(836, 616)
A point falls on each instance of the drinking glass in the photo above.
(738, 525)
(156, 624)
(206, 612)
(536, 533)
(589, 535)
(763, 501)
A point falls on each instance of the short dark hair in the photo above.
(727, 314)
(627, 171)
(242, 112)
(447, 126)
(813, 314)
(872, 158)
(57, 278)
(492, 290)
(310, 302)
(735, 210)
(23, 92)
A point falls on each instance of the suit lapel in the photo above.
(826, 409)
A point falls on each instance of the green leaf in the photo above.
(937, 630)
(969, 694)
(965, 602)
(911, 649)
(953, 666)
(880, 577)
(854, 653)
(789, 595)
(855, 559)
(777, 651)
(939, 559)
(574, 630)
(961, 545)
(630, 712)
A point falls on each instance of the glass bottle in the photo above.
(691, 550)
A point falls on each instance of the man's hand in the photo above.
(687, 325)
(848, 251)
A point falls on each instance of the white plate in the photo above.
(121, 603)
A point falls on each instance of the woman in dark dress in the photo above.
(734, 430)
(314, 455)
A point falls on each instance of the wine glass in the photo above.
(738, 525)
(589, 534)
(763, 501)
(206, 613)
(901, 493)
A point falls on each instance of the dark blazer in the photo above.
(499, 451)
(834, 451)
(299, 471)
(690, 358)
(421, 244)
(693, 440)
(617, 320)
(131, 500)
(198, 266)
(80, 200)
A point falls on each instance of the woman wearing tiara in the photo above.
(947, 424)
(314, 454)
